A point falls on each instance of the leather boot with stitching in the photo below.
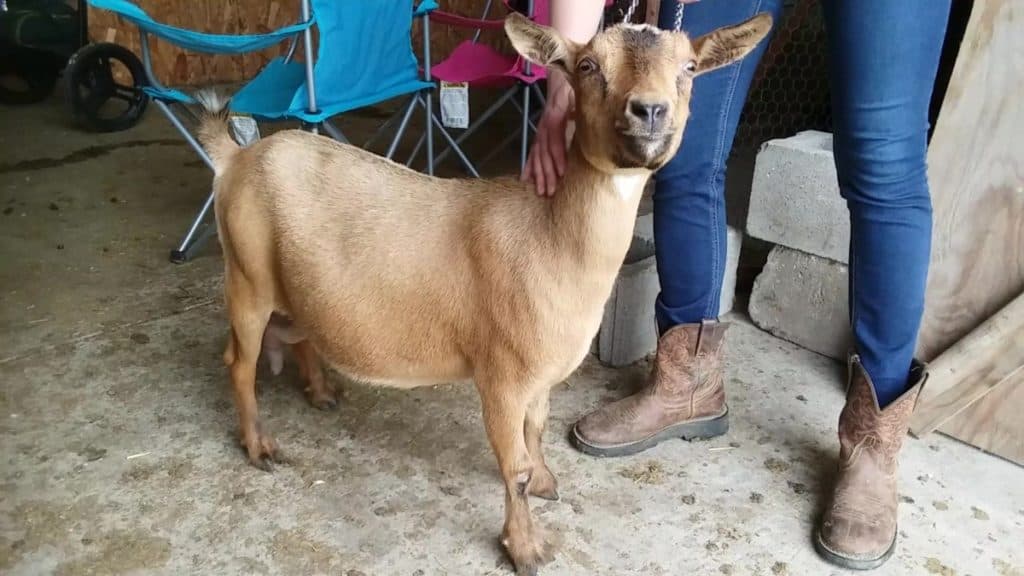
(684, 397)
(858, 530)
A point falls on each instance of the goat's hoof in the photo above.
(528, 553)
(262, 450)
(543, 485)
(323, 399)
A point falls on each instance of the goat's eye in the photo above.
(586, 66)
(690, 67)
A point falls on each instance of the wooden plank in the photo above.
(993, 423)
(976, 170)
(969, 369)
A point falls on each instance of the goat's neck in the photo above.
(594, 211)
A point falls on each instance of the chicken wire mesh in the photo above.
(790, 90)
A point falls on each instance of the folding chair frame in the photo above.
(193, 238)
(522, 89)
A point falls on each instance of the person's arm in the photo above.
(577, 21)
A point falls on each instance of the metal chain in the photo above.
(633, 6)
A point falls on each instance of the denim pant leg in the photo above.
(883, 56)
(689, 195)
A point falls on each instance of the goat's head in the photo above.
(632, 83)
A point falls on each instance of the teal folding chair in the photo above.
(364, 58)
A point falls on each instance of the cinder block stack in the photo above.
(801, 295)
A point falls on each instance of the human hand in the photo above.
(546, 162)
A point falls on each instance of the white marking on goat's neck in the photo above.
(627, 184)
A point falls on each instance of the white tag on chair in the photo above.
(245, 129)
(455, 104)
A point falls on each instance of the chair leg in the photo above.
(428, 108)
(503, 144)
(533, 125)
(524, 147)
(401, 129)
(539, 94)
(508, 95)
(451, 142)
(416, 149)
(334, 132)
(387, 124)
(189, 243)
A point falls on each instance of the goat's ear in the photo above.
(727, 45)
(540, 44)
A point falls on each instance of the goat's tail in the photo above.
(214, 132)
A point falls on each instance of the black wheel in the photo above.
(27, 76)
(103, 87)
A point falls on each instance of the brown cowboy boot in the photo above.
(684, 397)
(858, 530)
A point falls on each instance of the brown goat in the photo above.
(400, 279)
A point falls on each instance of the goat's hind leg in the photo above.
(543, 484)
(504, 417)
(318, 390)
(280, 331)
(248, 322)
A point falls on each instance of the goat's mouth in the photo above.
(642, 150)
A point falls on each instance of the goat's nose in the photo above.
(651, 114)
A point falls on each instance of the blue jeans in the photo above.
(883, 58)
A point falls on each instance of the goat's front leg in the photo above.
(505, 404)
(543, 484)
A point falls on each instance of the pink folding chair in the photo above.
(479, 65)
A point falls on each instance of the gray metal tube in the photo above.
(508, 95)
(416, 148)
(307, 45)
(184, 132)
(487, 9)
(383, 127)
(147, 62)
(429, 96)
(458, 152)
(401, 129)
(334, 132)
(524, 148)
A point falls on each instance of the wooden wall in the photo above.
(181, 68)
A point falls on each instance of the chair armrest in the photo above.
(465, 22)
(425, 7)
(200, 41)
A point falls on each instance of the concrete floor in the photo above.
(118, 431)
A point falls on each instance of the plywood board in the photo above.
(971, 368)
(993, 423)
(976, 171)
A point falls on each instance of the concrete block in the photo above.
(794, 198)
(734, 244)
(628, 330)
(802, 298)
